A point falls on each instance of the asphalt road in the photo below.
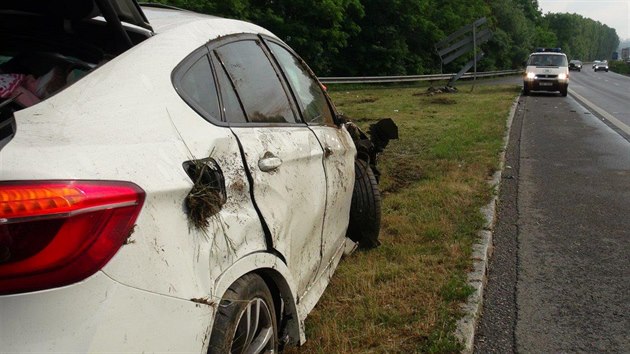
(559, 279)
(604, 91)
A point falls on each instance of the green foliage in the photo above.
(516, 34)
(619, 67)
(583, 38)
(315, 29)
(398, 37)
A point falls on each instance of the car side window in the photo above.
(199, 90)
(231, 105)
(256, 82)
(313, 103)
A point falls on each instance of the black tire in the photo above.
(365, 211)
(564, 91)
(249, 295)
(525, 90)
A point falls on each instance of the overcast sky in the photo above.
(613, 13)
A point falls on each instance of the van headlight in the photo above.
(531, 75)
(562, 76)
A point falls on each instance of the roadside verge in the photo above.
(482, 251)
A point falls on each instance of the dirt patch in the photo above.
(443, 100)
(367, 100)
(406, 173)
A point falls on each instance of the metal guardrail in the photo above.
(411, 78)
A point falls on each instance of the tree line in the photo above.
(398, 37)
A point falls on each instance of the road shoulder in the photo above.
(483, 248)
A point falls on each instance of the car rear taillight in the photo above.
(55, 233)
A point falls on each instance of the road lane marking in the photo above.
(616, 122)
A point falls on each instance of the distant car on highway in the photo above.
(595, 63)
(575, 65)
(601, 66)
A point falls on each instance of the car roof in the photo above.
(165, 19)
(547, 53)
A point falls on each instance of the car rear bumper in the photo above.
(101, 315)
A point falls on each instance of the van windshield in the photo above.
(547, 60)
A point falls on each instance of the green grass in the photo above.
(405, 296)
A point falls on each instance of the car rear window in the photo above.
(198, 85)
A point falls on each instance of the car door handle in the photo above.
(269, 163)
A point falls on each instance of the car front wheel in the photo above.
(564, 90)
(246, 320)
(365, 210)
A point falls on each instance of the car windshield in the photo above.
(547, 60)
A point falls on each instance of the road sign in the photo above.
(463, 41)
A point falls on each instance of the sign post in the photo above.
(463, 41)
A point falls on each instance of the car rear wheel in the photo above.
(365, 210)
(246, 320)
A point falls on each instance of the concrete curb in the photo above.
(482, 251)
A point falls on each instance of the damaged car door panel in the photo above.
(291, 198)
(244, 181)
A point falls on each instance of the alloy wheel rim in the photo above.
(255, 331)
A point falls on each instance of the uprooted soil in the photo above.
(406, 173)
(202, 202)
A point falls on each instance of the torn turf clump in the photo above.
(207, 195)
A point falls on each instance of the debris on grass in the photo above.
(431, 91)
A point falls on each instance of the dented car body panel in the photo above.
(288, 190)
(336, 144)
(292, 213)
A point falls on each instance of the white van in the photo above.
(546, 70)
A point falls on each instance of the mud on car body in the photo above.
(183, 175)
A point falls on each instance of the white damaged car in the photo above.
(169, 181)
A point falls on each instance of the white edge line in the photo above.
(616, 122)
